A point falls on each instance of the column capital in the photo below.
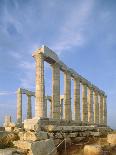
(37, 54)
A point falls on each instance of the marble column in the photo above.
(61, 108)
(19, 106)
(67, 96)
(77, 100)
(40, 87)
(96, 108)
(29, 108)
(104, 110)
(51, 109)
(84, 104)
(56, 91)
(90, 105)
(45, 107)
(101, 110)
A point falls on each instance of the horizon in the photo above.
(82, 33)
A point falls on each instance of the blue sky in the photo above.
(81, 32)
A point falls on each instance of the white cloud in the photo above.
(7, 93)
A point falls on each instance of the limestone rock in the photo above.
(111, 138)
(93, 150)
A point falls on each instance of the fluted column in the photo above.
(84, 104)
(56, 91)
(67, 96)
(104, 110)
(101, 110)
(96, 108)
(29, 108)
(90, 105)
(19, 106)
(40, 88)
(77, 100)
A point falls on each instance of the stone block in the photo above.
(7, 151)
(93, 150)
(73, 135)
(111, 138)
(95, 134)
(43, 147)
(9, 129)
(34, 136)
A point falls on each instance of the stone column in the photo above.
(45, 107)
(96, 108)
(84, 104)
(90, 105)
(51, 109)
(104, 110)
(61, 108)
(19, 106)
(29, 108)
(67, 96)
(101, 110)
(77, 100)
(40, 88)
(56, 91)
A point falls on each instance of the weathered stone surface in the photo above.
(111, 138)
(73, 135)
(9, 129)
(78, 139)
(42, 147)
(32, 124)
(7, 151)
(95, 134)
(93, 150)
(34, 136)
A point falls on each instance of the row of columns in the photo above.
(19, 106)
(90, 114)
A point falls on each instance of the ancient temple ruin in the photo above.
(93, 102)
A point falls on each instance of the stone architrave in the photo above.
(101, 110)
(40, 87)
(104, 110)
(90, 105)
(19, 106)
(84, 104)
(96, 108)
(56, 91)
(67, 96)
(29, 108)
(77, 100)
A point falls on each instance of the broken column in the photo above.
(90, 105)
(101, 109)
(67, 96)
(84, 104)
(29, 108)
(104, 110)
(77, 100)
(96, 108)
(19, 106)
(55, 91)
(40, 87)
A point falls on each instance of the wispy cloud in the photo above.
(7, 93)
(72, 31)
